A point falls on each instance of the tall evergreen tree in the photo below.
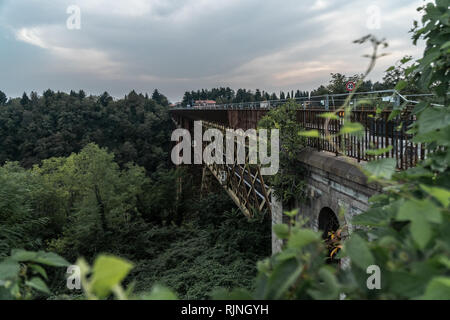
(25, 100)
(34, 98)
(81, 95)
(258, 96)
(105, 99)
(160, 98)
(156, 96)
(3, 98)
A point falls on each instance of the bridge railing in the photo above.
(327, 101)
(379, 133)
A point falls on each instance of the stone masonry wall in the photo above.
(333, 182)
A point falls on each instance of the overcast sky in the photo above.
(180, 45)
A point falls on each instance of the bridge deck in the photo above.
(379, 131)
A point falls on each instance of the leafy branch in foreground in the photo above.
(22, 274)
(105, 278)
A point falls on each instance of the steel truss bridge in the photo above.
(244, 182)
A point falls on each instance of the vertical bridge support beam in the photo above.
(277, 218)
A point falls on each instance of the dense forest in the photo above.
(83, 175)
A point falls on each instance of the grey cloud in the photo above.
(180, 45)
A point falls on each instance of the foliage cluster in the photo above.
(288, 183)
(135, 128)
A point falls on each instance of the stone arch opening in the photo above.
(328, 221)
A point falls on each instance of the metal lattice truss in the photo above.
(242, 181)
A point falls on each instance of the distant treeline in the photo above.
(337, 84)
(228, 95)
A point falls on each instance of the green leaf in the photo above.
(439, 137)
(84, 266)
(401, 85)
(440, 194)
(446, 45)
(388, 241)
(444, 261)
(23, 255)
(310, 134)
(50, 259)
(373, 217)
(417, 172)
(438, 289)
(352, 128)
(292, 213)
(282, 278)
(38, 284)
(38, 269)
(406, 284)
(286, 254)
(420, 213)
(394, 114)
(432, 119)
(329, 115)
(328, 288)
(405, 60)
(281, 230)
(302, 237)
(425, 208)
(377, 152)
(421, 232)
(422, 105)
(443, 4)
(108, 271)
(9, 269)
(382, 168)
(358, 251)
(366, 102)
(264, 266)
